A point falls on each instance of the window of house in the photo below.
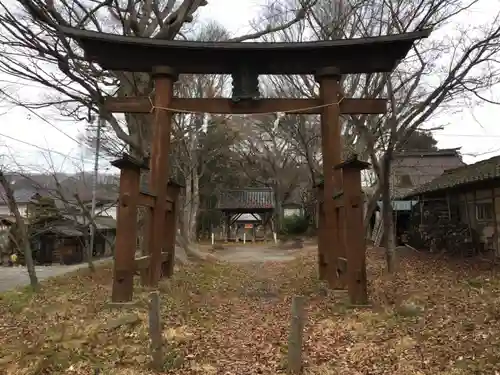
(484, 211)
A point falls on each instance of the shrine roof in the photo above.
(139, 54)
(250, 200)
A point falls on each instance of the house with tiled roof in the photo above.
(460, 209)
(62, 188)
(409, 170)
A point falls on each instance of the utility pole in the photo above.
(100, 124)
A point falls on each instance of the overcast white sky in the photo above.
(476, 130)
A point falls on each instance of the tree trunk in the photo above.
(88, 251)
(278, 210)
(195, 206)
(23, 232)
(371, 205)
(388, 237)
(188, 202)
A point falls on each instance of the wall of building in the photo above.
(5, 211)
(292, 211)
(481, 210)
(459, 221)
(107, 211)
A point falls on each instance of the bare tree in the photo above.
(34, 49)
(267, 159)
(21, 231)
(438, 74)
(194, 135)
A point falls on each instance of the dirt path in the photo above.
(256, 254)
(13, 277)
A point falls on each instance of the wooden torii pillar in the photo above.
(161, 199)
(333, 235)
(352, 199)
(331, 243)
(126, 264)
(164, 79)
(170, 233)
(322, 261)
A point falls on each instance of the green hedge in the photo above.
(295, 225)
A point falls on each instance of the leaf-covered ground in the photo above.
(433, 317)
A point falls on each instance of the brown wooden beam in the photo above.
(173, 190)
(148, 200)
(356, 256)
(142, 263)
(348, 106)
(126, 232)
(333, 245)
(164, 78)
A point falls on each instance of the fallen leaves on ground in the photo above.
(434, 316)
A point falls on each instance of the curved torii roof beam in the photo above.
(350, 56)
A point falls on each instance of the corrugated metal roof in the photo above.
(105, 222)
(21, 195)
(102, 222)
(65, 230)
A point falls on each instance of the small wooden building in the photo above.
(459, 211)
(62, 239)
(105, 234)
(59, 242)
(257, 202)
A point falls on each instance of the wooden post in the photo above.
(448, 205)
(155, 333)
(146, 241)
(493, 199)
(164, 79)
(295, 337)
(331, 147)
(171, 230)
(356, 245)
(126, 229)
(228, 226)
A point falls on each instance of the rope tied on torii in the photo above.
(208, 115)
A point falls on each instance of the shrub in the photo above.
(295, 225)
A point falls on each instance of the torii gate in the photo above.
(165, 59)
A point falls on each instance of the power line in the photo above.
(44, 120)
(43, 148)
(468, 135)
